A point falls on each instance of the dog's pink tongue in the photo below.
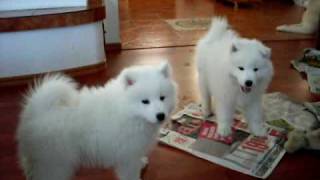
(245, 89)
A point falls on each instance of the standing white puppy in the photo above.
(115, 125)
(236, 72)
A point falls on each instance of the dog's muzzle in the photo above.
(248, 86)
(245, 89)
(161, 117)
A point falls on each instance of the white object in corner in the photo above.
(8, 5)
(303, 3)
(39, 51)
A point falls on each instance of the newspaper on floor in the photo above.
(314, 107)
(242, 152)
(309, 64)
(281, 111)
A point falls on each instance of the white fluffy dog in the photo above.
(236, 72)
(309, 23)
(115, 125)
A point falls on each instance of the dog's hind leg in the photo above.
(129, 170)
(51, 171)
(144, 161)
(26, 165)
(205, 96)
(296, 28)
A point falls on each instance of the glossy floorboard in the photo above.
(167, 163)
(143, 25)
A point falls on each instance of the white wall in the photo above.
(111, 22)
(39, 4)
(38, 51)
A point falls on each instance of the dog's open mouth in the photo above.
(245, 89)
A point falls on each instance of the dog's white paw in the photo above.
(144, 161)
(224, 130)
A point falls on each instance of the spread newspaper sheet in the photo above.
(189, 131)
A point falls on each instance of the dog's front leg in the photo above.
(225, 112)
(254, 115)
(129, 170)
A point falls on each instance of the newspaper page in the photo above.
(242, 152)
(309, 64)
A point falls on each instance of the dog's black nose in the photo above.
(161, 117)
(248, 83)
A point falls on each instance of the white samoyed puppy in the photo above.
(234, 71)
(63, 127)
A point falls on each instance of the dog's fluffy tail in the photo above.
(50, 92)
(219, 25)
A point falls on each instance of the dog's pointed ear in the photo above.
(128, 79)
(266, 53)
(165, 69)
(264, 50)
(234, 48)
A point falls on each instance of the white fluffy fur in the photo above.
(309, 23)
(220, 56)
(62, 128)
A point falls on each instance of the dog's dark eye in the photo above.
(241, 68)
(255, 69)
(145, 101)
(162, 98)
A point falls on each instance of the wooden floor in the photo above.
(143, 22)
(167, 163)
